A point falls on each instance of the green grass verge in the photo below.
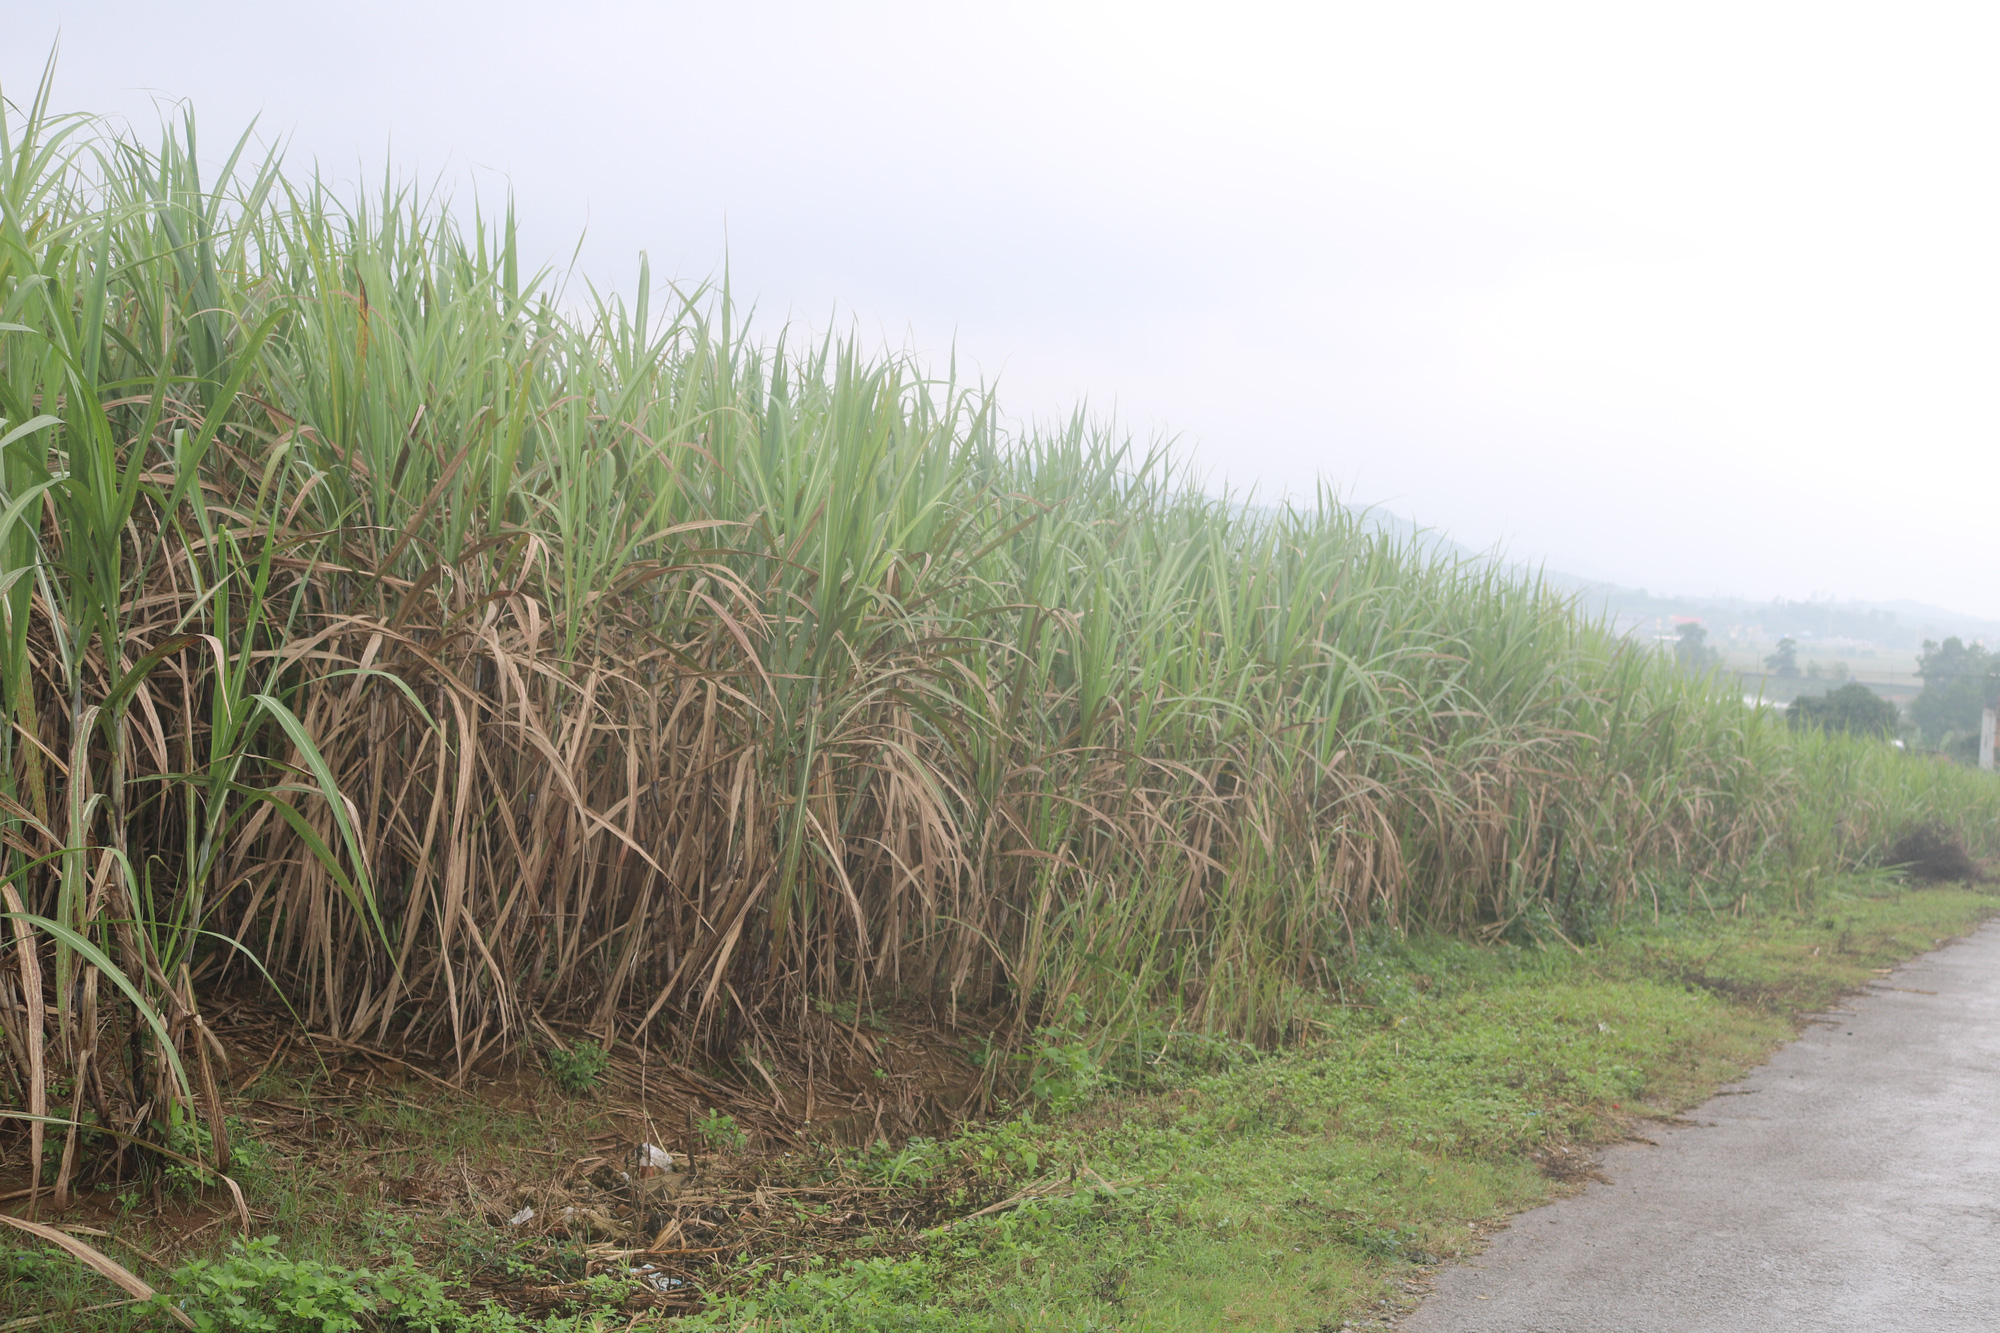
(1303, 1190)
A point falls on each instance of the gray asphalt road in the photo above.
(1853, 1183)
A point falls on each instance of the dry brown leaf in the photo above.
(97, 1261)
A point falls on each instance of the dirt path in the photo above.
(1852, 1183)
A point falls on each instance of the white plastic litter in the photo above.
(521, 1218)
(654, 1278)
(648, 1158)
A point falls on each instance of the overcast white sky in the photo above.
(1704, 297)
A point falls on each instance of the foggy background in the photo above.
(1700, 299)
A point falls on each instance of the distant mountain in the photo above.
(1896, 624)
(1899, 624)
(1937, 622)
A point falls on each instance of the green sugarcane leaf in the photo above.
(296, 729)
(395, 680)
(96, 958)
(142, 668)
(315, 844)
(26, 428)
(12, 513)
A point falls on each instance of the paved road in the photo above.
(1851, 1184)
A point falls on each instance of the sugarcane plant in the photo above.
(397, 637)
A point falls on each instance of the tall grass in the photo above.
(376, 620)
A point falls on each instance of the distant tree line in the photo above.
(1784, 617)
(1961, 680)
(1853, 708)
(1691, 650)
(1785, 664)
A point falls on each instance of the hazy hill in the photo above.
(1902, 623)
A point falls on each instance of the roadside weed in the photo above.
(576, 1067)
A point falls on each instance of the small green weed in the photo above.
(912, 1164)
(27, 1268)
(1064, 1067)
(864, 1296)
(605, 1291)
(848, 1014)
(256, 1288)
(720, 1132)
(576, 1069)
(186, 1135)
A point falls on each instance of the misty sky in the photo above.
(1699, 297)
